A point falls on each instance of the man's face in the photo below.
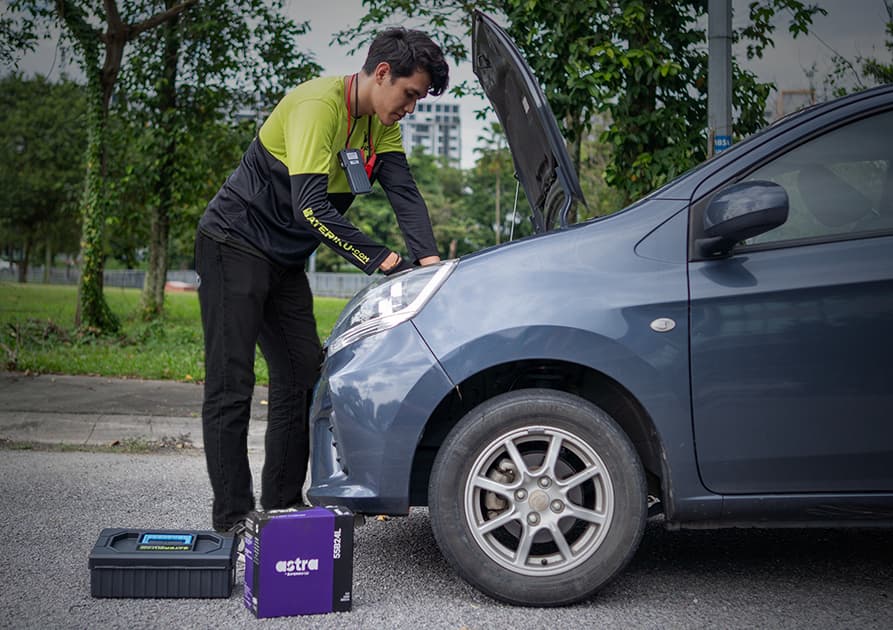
(397, 97)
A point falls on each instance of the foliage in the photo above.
(879, 71)
(16, 36)
(151, 170)
(490, 211)
(41, 164)
(93, 32)
(34, 337)
(443, 189)
(595, 157)
(182, 86)
(448, 20)
(645, 66)
(873, 71)
(642, 64)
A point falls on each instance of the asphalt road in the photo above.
(55, 504)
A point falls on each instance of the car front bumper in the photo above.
(369, 412)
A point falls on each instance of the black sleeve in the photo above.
(392, 170)
(313, 211)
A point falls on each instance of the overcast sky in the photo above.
(851, 28)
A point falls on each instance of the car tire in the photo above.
(537, 498)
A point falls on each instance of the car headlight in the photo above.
(386, 303)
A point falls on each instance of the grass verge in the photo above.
(37, 334)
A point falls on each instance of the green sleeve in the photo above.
(310, 129)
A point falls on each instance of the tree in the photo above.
(80, 26)
(595, 157)
(642, 64)
(874, 71)
(183, 82)
(492, 161)
(41, 164)
(493, 208)
(443, 188)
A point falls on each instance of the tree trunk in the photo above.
(152, 300)
(47, 260)
(498, 203)
(153, 289)
(93, 313)
(454, 245)
(578, 128)
(23, 263)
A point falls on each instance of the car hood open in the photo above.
(542, 163)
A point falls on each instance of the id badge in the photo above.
(351, 161)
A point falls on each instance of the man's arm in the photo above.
(313, 210)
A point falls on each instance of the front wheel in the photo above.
(537, 498)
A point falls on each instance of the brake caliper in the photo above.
(504, 473)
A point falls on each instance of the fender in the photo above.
(654, 379)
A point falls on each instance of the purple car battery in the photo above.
(299, 561)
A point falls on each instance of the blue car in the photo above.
(713, 353)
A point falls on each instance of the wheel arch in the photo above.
(584, 381)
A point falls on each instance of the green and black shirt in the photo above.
(289, 192)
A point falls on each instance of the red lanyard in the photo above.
(349, 112)
(371, 162)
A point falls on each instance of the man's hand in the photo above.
(390, 261)
(393, 263)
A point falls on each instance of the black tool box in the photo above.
(162, 563)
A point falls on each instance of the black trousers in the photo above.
(247, 300)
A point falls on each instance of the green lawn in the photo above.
(37, 334)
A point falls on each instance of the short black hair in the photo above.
(407, 51)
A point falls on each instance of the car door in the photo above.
(792, 335)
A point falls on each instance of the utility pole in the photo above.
(719, 75)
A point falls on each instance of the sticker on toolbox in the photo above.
(165, 542)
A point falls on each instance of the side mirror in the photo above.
(740, 212)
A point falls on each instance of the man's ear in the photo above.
(382, 70)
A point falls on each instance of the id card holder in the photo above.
(351, 161)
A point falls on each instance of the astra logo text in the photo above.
(298, 566)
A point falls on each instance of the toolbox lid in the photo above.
(162, 547)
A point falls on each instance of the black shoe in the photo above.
(237, 530)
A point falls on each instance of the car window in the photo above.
(838, 184)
